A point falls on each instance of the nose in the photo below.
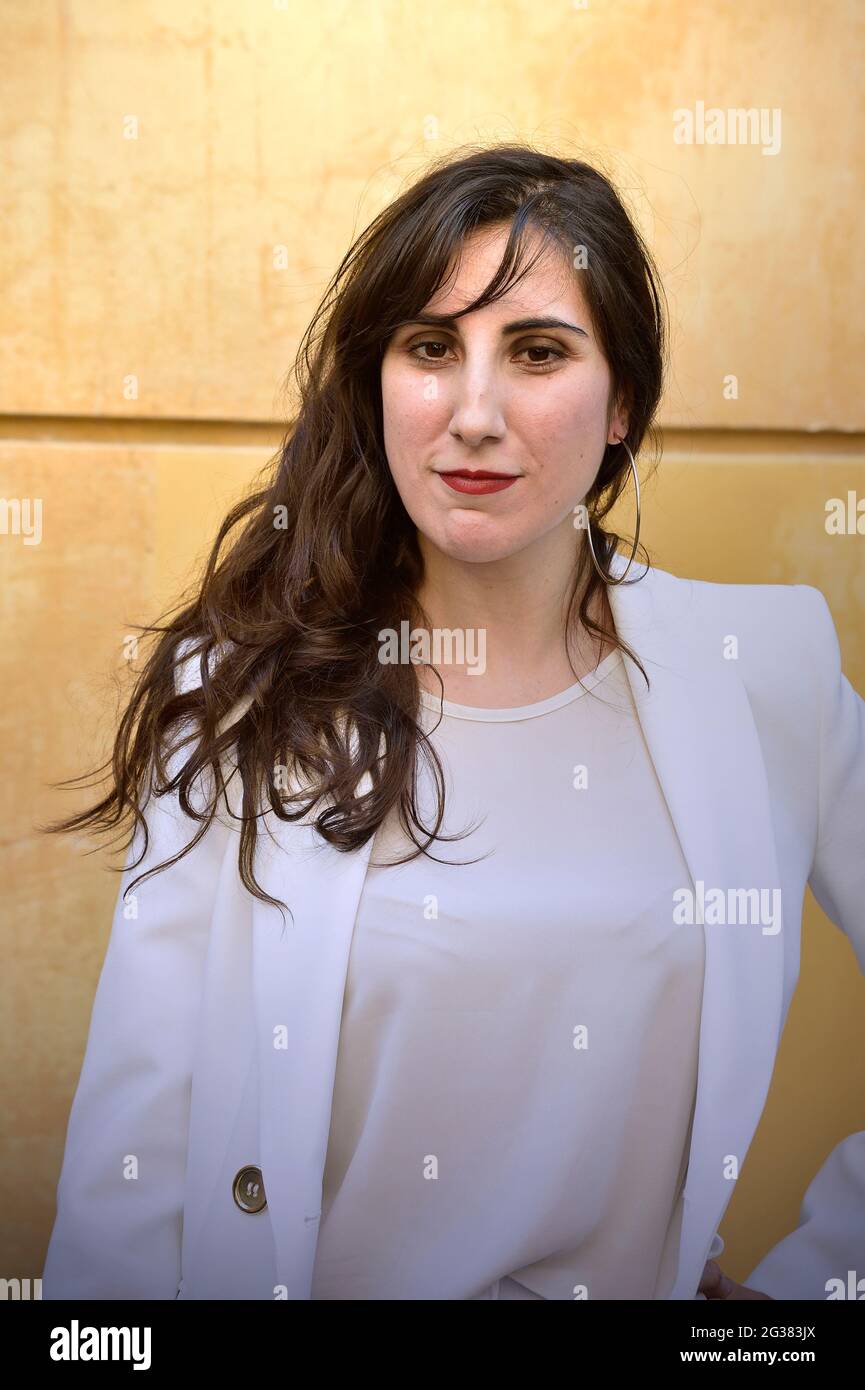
(477, 407)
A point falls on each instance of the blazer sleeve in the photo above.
(119, 1218)
(829, 1240)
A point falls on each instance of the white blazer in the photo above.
(213, 1039)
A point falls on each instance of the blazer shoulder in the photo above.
(786, 614)
(782, 635)
(187, 677)
(187, 662)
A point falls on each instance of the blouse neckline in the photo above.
(538, 707)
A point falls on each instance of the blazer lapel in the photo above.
(700, 732)
(299, 979)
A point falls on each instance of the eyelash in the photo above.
(537, 367)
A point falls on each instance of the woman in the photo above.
(462, 914)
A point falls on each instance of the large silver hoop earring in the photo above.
(606, 578)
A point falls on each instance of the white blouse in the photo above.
(518, 1053)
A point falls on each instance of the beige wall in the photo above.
(263, 126)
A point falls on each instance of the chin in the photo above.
(476, 538)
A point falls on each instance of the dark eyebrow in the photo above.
(517, 326)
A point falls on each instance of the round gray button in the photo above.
(248, 1189)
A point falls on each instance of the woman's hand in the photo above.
(716, 1284)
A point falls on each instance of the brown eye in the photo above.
(555, 355)
(428, 343)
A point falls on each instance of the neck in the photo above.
(514, 611)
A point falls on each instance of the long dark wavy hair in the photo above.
(307, 569)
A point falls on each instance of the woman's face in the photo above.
(494, 393)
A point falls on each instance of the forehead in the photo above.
(550, 283)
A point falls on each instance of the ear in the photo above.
(618, 424)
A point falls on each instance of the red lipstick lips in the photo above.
(477, 481)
